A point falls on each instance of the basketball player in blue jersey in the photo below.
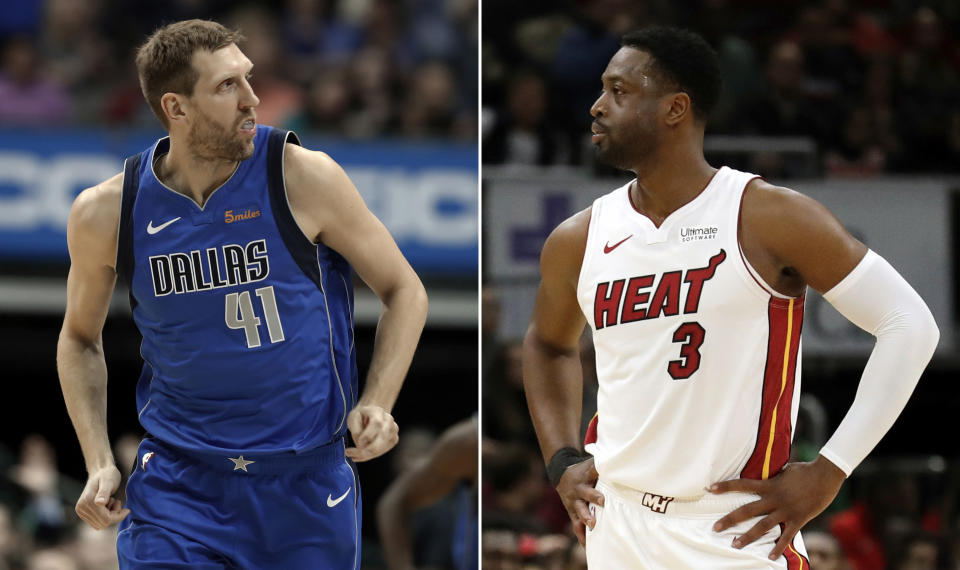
(738, 253)
(450, 465)
(237, 245)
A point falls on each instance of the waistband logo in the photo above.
(656, 503)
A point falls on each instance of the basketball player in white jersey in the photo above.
(692, 280)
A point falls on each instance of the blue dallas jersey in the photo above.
(247, 325)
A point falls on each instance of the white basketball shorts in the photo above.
(637, 530)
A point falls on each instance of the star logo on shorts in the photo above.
(240, 462)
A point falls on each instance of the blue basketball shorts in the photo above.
(251, 512)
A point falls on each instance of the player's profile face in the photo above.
(626, 112)
(223, 121)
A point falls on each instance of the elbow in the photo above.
(929, 331)
(71, 343)
(918, 333)
(421, 299)
(416, 299)
(534, 343)
(407, 294)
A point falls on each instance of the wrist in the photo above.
(372, 403)
(829, 469)
(376, 396)
(561, 460)
(100, 466)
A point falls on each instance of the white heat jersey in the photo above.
(697, 358)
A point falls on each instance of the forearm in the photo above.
(398, 332)
(393, 520)
(553, 381)
(877, 299)
(83, 379)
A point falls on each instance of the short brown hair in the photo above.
(164, 61)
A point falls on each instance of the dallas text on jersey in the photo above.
(224, 266)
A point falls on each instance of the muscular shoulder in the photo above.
(779, 216)
(798, 233)
(301, 164)
(94, 219)
(317, 187)
(767, 201)
(99, 205)
(565, 245)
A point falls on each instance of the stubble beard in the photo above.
(632, 144)
(210, 141)
(637, 147)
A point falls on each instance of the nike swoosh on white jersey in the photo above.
(331, 502)
(151, 229)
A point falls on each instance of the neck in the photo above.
(672, 177)
(192, 176)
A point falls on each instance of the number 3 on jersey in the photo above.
(241, 304)
(691, 335)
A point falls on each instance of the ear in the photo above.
(679, 107)
(173, 106)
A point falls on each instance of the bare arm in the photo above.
(552, 377)
(552, 373)
(328, 208)
(92, 240)
(452, 460)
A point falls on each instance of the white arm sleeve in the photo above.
(877, 299)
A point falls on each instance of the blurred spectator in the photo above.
(516, 479)
(783, 107)
(27, 97)
(11, 543)
(824, 551)
(374, 91)
(515, 485)
(125, 451)
(430, 528)
(78, 56)
(506, 417)
(51, 559)
(922, 551)
(512, 544)
(432, 108)
(857, 153)
(499, 550)
(889, 510)
(821, 31)
(524, 134)
(95, 549)
(447, 470)
(43, 515)
(313, 36)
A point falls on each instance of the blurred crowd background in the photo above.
(357, 69)
(848, 88)
(373, 76)
(813, 90)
